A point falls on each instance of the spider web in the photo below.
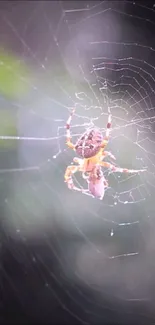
(94, 57)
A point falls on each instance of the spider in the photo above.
(90, 147)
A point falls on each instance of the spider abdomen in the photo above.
(89, 144)
(97, 183)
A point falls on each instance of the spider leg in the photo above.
(107, 153)
(68, 177)
(78, 160)
(108, 128)
(68, 134)
(120, 170)
(106, 138)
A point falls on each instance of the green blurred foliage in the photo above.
(13, 76)
(7, 128)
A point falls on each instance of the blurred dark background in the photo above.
(66, 257)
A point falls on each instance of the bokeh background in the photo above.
(67, 257)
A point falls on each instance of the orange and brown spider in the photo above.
(90, 147)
